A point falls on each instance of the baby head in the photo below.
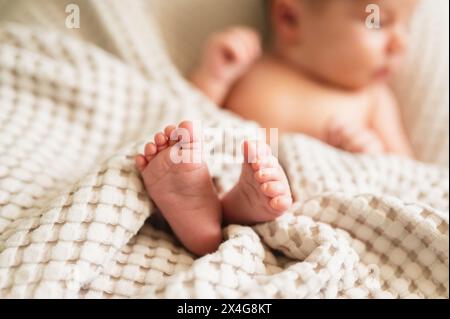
(338, 41)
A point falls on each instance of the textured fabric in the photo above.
(180, 27)
(74, 213)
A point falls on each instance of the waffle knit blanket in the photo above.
(74, 213)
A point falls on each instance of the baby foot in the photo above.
(183, 191)
(263, 191)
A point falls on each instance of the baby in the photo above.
(324, 75)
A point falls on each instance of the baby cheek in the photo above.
(373, 50)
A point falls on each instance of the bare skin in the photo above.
(362, 121)
(185, 194)
(263, 191)
(325, 76)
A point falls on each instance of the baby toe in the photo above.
(161, 141)
(266, 162)
(281, 203)
(150, 150)
(188, 126)
(273, 189)
(249, 152)
(168, 132)
(267, 175)
(183, 134)
(140, 162)
(255, 151)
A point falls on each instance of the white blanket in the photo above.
(73, 209)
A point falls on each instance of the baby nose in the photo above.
(397, 41)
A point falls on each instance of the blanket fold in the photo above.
(73, 208)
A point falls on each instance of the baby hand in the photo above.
(230, 53)
(354, 139)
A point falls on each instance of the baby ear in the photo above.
(285, 18)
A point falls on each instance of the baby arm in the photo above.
(385, 133)
(227, 56)
(387, 123)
